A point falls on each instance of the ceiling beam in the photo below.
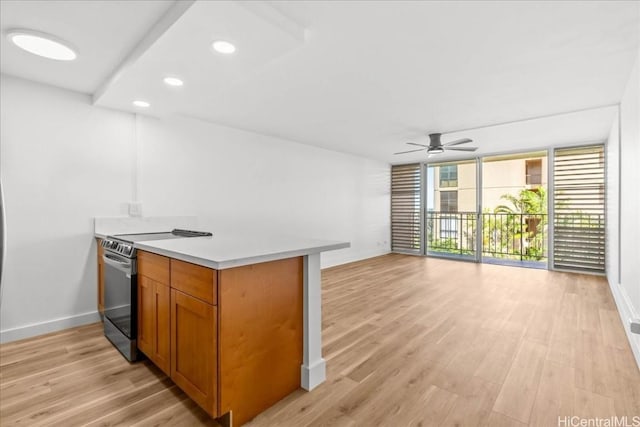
(159, 28)
(275, 17)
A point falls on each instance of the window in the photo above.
(534, 172)
(449, 201)
(405, 208)
(449, 227)
(449, 176)
(579, 241)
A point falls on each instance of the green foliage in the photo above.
(514, 230)
(527, 202)
(517, 229)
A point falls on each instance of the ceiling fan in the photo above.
(437, 147)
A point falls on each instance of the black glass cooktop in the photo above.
(164, 235)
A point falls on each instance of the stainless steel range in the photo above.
(120, 286)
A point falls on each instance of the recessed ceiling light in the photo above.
(42, 44)
(141, 104)
(173, 81)
(222, 46)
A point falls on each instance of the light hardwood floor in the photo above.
(408, 341)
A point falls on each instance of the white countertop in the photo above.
(109, 226)
(222, 251)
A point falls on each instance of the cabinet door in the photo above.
(146, 315)
(162, 310)
(154, 326)
(194, 349)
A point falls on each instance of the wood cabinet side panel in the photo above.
(260, 335)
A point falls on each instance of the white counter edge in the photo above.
(239, 262)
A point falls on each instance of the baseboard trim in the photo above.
(314, 375)
(35, 329)
(351, 259)
(627, 313)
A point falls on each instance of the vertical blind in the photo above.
(405, 208)
(579, 208)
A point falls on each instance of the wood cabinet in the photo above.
(100, 278)
(154, 310)
(230, 339)
(194, 365)
(153, 321)
(195, 280)
(260, 312)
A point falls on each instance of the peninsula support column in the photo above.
(313, 365)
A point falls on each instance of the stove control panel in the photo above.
(122, 248)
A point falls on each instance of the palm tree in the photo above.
(533, 202)
(516, 229)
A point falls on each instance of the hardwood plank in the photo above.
(474, 407)
(496, 419)
(612, 330)
(394, 327)
(518, 392)
(592, 405)
(497, 363)
(430, 407)
(555, 395)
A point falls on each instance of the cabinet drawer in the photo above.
(197, 281)
(153, 266)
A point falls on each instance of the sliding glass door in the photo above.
(451, 210)
(541, 209)
(514, 209)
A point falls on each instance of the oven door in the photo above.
(120, 293)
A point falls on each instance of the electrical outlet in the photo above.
(135, 208)
(635, 326)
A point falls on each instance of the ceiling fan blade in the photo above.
(410, 151)
(461, 148)
(419, 145)
(458, 142)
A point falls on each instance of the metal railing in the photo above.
(515, 236)
(451, 232)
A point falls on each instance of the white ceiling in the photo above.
(102, 31)
(364, 77)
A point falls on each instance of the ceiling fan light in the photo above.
(436, 150)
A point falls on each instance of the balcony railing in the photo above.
(453, 233)
(514, 236)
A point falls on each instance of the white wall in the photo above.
(241, 181)
(612, 158)
(64, 162)
(626, 286)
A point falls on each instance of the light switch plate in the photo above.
(135, 208)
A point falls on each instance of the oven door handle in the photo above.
(124, 266)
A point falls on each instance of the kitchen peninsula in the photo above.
(235, 321)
